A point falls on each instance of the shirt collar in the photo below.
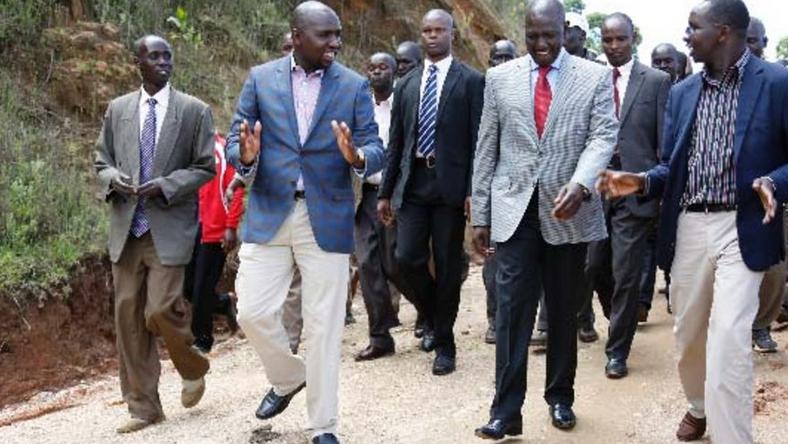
(443, 65)
(556, 65)
(735, 72)
(162, 97)
(626, 68)
(295, 67)
(384, 104)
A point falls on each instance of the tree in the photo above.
(782, 48)
(577, 6)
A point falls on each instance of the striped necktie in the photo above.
(427, 113)
(139, 223)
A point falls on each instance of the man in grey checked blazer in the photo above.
(532, 197)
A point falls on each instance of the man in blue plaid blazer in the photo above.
(304, 124)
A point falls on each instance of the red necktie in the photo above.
(542, 100)
(616, 96)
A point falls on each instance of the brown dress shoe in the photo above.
(691, 428)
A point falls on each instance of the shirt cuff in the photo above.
(646, 184)
(247, 171)
(362, 173)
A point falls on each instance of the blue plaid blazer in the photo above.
(267, 96)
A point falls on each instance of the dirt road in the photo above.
(397, 400)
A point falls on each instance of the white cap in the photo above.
(575, 19)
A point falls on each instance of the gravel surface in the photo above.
(398, 400)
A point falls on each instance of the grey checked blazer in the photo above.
(577, 144)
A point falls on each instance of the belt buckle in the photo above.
(430, 161)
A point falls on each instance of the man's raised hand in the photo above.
(249, 142)
(345, 143)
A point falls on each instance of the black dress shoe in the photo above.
(562, 416)
(374, 352)
(273, 404)
(325, 438)
(616, 368)
(428, 341)
(587, 334)
(443, 365)
(498, 429)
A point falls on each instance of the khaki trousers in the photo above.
(715, 298)
(291, 315)
(263, 282)
(770, 296)
(148, 303)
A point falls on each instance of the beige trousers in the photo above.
(715, 298)
(291, 313)
(264, 277)
(148, 303)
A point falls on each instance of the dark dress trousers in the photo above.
(429, 201)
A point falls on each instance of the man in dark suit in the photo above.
(301, 208)
(434, 121)
(375, 242)
(722, 175)
(615, 264)
(547, 129)
(408, 57)
(154, 152)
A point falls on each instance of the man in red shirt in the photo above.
(216, 237)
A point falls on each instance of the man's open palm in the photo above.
(250, 142)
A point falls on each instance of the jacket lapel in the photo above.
(688, 118)
(525, 99)
(452, 77)
(169, 133)
(328, 87)
(285, 91)
(636, 79)
(748, 96)
(130, 126)
(564, 84)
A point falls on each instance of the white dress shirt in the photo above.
(383, 119)
(443, 71)
(623, 81)
(162, 100)
(552, 75)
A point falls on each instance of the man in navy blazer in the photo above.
(301, 207)
(722, 174)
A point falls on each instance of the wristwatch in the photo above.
(361, 157)
(586, 193)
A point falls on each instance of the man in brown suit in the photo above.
(154, 152)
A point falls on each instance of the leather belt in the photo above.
(428, 161)
(299, 194)
(710, 208)
(370, 187)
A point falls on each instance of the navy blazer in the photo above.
(267, 96)
(760, 149)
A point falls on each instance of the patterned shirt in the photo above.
(306, 89)
(712, 173)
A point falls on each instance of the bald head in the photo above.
(545, 21)
(408, 57)
(153, 56)
(437, 31)
(552, 9)
(665, 58)
(501, 52)
(311, 13)
(142, 43)
(315, 30)
(756, 37)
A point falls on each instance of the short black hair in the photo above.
(732, 13)
(621, 16)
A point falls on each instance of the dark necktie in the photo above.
(616, 95)
(428, 110)
(542, 100)
(139, 223)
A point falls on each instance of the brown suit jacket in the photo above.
(183, 161)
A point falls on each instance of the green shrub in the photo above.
(49, 217)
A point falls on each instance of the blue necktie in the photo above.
(139, 223)
(427, 113)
